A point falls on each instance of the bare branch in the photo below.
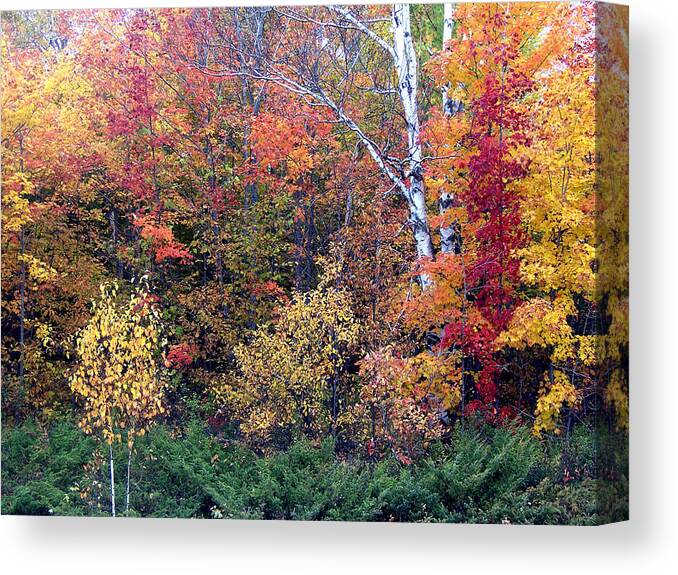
(345, 13)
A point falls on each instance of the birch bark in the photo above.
(448, 26)
(129, 467)
(449, 240)
(110, 460)
(405, 60)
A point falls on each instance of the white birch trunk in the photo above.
(405, 60)
(110, 455)
(448, 240)
(129, 466)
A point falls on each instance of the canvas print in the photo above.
(351, 263)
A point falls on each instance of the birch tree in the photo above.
(304, 68)
(450, 240)
(118, 377)
(405, 60)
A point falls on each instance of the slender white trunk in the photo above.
(411, 184)
(129, 466)
(448, 236)
(110, 459)
(405, 60)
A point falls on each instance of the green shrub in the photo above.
(39, 468)
(403, 497)
(484, 465)
(189, 475)
(481, 475)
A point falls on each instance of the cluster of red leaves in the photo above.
(502, 416)
(180, 356)
(162, 241)
(147, 302)
(490, 197)
(267, 289)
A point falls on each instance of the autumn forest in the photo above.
(362, 263)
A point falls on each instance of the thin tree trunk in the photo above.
(216, 233)
(405, 59)
(214, 216)
(463, 335)
(251, 189)
(129, 466)
(113, 220)
(248, 97)
(114, 229)
(450, 238)
(310, 248)
(298, 244)
(348, 214)
(334, 407)
(110, 455)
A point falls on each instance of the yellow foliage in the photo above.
(540, 322)
(15, 205)
(553, 395)
(38, 270)
(118, 377)
(43, 333)
(402, 400)
(617, 395)
(286, 377)
(435, 374)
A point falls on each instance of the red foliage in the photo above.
(498, 128)
(180, 356)
(162, 242)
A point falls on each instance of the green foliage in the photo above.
(39, 469)
(190, 475)
(308, 483)
(481, 468)
(483, 475)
